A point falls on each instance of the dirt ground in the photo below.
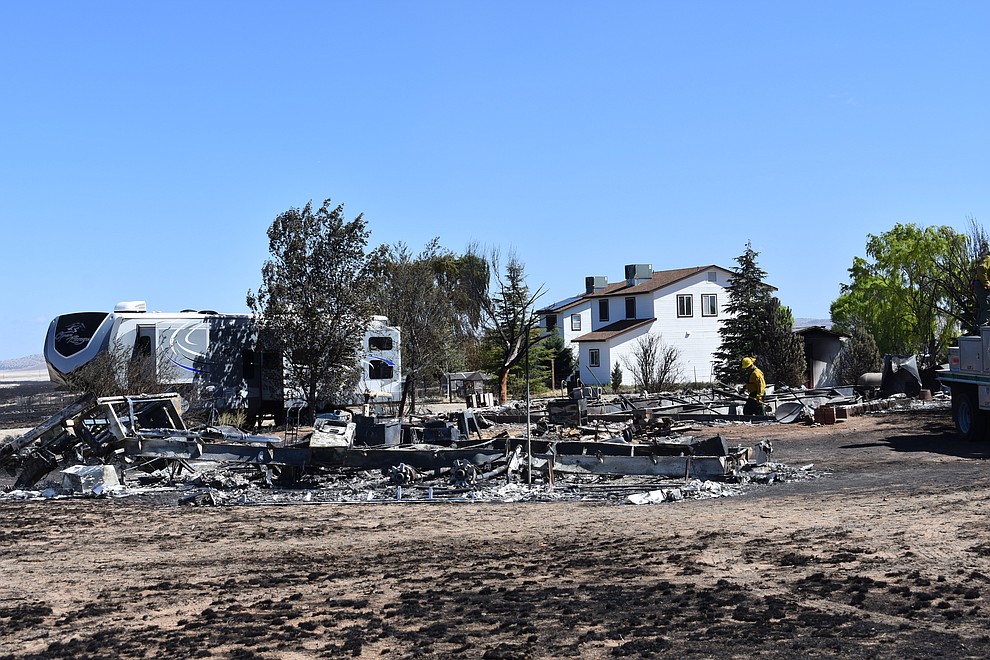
(888, 555)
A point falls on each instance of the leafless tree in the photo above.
(313, 301)
(507, 312)
(654, 365)
(122, 370)
(954, 275)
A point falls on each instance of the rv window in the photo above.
(379, 369)
(270, 360)
(247, 367)
(379, 344)
(142, 348)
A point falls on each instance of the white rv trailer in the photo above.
(205, 348)
(201, 348)
(381, 362)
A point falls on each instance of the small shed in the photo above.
(822, 350)
(462, 383)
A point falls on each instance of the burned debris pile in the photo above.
(625, 449)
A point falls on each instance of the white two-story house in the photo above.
(682, 306)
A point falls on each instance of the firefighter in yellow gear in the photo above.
(755, 387)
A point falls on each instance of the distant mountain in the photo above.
(813, 323)
(23, 363)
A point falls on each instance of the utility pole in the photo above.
(529, 442)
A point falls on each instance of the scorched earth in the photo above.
(885, 555)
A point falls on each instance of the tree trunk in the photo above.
(503, 384)
(405, 393)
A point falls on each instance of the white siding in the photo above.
(584, 312)
(696, 337)
(581, 310)
(616, 311)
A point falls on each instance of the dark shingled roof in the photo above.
(614, 329)
(558, 306)
(660, 279)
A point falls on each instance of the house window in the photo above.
(551, 322)
(685, 305)
(594, 358)
(603, 310)
(380, 369)
(709, 304)
(576, 322)
(712, 277)
(379, 343)
(630, 308)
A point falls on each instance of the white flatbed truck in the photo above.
(968, 377)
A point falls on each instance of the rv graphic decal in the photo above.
(70, 335)
(188, 348)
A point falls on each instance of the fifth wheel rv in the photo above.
(202, 348)
(207, 349)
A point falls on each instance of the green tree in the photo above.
(781, 352)
(859, 356)
(954, 275)
(421, 295)
(898, 292)
(313, 303)
(539, 360)
(561, 359)
(758, 326)
(740, 330)
(616, 378)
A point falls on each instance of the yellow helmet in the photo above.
(747, 362)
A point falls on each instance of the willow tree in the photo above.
(423, 294)
(313, 303)
(898, 292)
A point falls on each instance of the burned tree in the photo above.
(313, 303)
(124, 370)
(507, 313)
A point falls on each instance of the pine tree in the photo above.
(758, 326)
(742, 329)
(781, 352)
(859, 356)
(616, 381)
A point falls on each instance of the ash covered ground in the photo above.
(886, 553)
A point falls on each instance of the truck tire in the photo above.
(971, 422)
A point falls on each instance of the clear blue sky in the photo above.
(146, 147)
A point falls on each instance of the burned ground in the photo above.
(888, 555)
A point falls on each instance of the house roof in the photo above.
(614, 329)
(660, 279)
(560, 305)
